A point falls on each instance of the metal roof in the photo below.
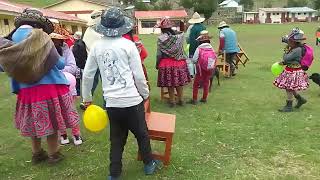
(13, 8)
(273, 9)
(160, 14)
(300, 9)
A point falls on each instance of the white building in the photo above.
(146, 20)
(272, 15)
(283, 15)
(301, 14)
(251, 17)
(231, 4)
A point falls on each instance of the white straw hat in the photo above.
(196, 18)
(222, 24)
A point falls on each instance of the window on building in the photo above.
(305, 13)
(299, 13)
(6, 22)
(74, 29)
(273, 13)
(278, 13)
(148, 24)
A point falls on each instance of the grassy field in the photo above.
(238, 134)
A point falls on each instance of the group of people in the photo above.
(176, 68)
(36, 56)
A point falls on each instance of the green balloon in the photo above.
(276, 69)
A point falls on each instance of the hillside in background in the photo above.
(258, 3)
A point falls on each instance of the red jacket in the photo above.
(142, 50)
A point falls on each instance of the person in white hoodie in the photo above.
(124, 88)
(205, 60)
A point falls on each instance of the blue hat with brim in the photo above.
(113, 23)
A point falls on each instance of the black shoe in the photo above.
(180, 103)
(82, 106)
(203, 100)
(193, 102)
(300, 101)
(172, 105)
(287, 107)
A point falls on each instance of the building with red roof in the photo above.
(146, 20)
(9, 10)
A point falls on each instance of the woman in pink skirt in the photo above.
(44, 105)
(171, 62)
(293, 78)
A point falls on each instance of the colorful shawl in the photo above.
(28, 61)
(172, 45)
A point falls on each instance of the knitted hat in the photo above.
(114, 23)
(297, 35)
(34, 16)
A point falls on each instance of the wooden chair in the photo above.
(223, 65)
(241, 57)
(161, 127)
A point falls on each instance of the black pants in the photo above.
(230, 58)
(121, 121)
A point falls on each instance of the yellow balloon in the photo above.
(95, 118)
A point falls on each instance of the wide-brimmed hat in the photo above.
(57, 36)
(196, 18)
(297, 35)
(204, 36)
(95, 18)
(113, 23)
(32, 16)
(222, 24)
(164, 23)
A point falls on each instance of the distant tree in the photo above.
(126, 2)
(165, 5)
(247, 4)
(206, 7)
(268, 5)
(141, 6)
(187, 3)
(297, 3)
(316, 4)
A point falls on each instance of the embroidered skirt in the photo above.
(173, 73)
(292, 79)
(44, 109)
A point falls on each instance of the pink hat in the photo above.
(164, 23)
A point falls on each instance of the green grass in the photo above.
(238, 134)
(36, 3)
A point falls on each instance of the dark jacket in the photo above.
(80, 53)
(194, 34)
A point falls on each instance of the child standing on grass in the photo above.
(70, 67)
(205, 58)
(43, 100)
(293, 78)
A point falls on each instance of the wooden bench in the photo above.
(161, 127)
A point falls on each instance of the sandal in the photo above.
(39, 157)
(55, 158)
